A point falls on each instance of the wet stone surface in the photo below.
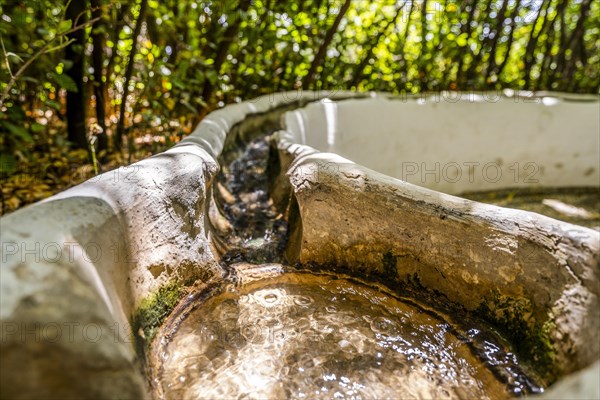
(301, 335)
(271, 333)
(259, 230)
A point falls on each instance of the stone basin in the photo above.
(90, 275)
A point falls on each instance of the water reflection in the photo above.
(307, 336)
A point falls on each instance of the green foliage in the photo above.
(63, 81)
(19, 132)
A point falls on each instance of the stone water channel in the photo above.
(271, 330)
(309, 247)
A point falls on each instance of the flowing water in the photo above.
(271, 331)
(306, 335)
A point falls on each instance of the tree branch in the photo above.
(320, 56)
(358, 74)
(42, 50)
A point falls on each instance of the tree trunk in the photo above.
(404, 40)
(558, 58)
(97, 62)
(228, 38)
(76, 100)
(545, 80)
(181, 38)
(471, 71)
(491, 62)
(466, 29)
(532, 43)
(118, 22)
(128, 74)
(420, 61)
(118, 25)
(437, 46)
(511, 38)
(567, 66)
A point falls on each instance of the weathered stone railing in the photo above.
(535, 275)
(91, 271)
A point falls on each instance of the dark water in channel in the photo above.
(301, 335)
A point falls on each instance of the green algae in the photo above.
(530, 337)
(152, 312)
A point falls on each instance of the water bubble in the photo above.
(385, 326)
(270, 298)
(303, 301)
(344, 344)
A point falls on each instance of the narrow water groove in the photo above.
(270, 330)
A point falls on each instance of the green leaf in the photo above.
(54, 104)
(201, 101)
(67, 64)
(212, 76)
(189, 106)
(64, 81)
(65, 25)
(37, 128)
(178, 83)
(8, 164)
(18, 131)
(43, 31)
(30, 79)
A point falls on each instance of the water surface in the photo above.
(302, 335)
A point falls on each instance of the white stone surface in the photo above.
(352, 215)
(582, 385)
(461, 142)
(78, 264)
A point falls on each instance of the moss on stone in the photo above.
(152, 312)
(531, 337)
(390, 262)
(545, 354)
(155, 308)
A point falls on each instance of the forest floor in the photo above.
(51, 167)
